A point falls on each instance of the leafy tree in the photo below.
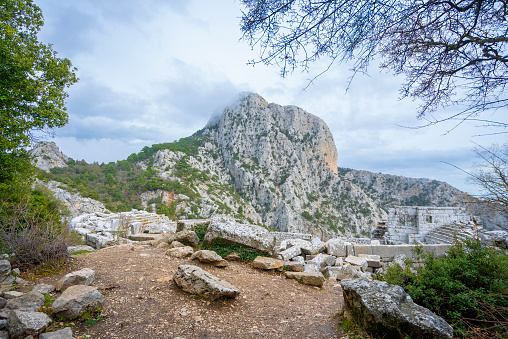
(33, 81)
(451, 52)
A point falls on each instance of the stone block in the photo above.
(265, 263)
(363, 249)
(307, 278)
(357, 261)
(195, 280)
(350, 249)
(385, 251)
(336, 247)
(290, 253)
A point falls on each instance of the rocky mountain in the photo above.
(392, 190)
(48, 155)
(271, 165)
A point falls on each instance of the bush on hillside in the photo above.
(31, 229)
(468, 288)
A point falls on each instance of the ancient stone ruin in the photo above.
(429, 225)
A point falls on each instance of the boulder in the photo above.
(323, 260)
(5, 272)
(65, 333)
(30, 301)
(357, 261)
(186, 237)
(195, 280)
(312, 267)
(293, 266)
(265, 263)
(206, 256)
(347, 272)
(299, 259)
(76, 300)
(290, 253)
(232, 257)
(98, 241)
(388, 311)
(307, 278)
(84, 276)
(316, 246)
(180, 252)
(26, 323)
(43, 288)
(175, 244)
(72, 249)
(12, 294)
(332, 271)
(336, 247)
(373, 260)
(248, 235)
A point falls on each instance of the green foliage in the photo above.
(188, 145)
(90, 318)
(33, 80)
(224, 247)
(307, 215)
(468, 288)
(32, 227)
(81, 252)
(200, 230)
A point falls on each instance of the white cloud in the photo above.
(155, 71)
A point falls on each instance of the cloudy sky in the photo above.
(155, 70)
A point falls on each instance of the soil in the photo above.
(142, 301)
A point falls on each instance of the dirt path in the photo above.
(141, 301)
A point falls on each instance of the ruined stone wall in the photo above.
(413, 222)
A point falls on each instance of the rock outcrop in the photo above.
(48, 155)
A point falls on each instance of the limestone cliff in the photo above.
(268, 164)
(284, 161)
(392, 190)
(48, 155)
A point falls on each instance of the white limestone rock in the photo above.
(207, 256)
(29, 302)
(195, 280)
(64, 333)
(180, 252)
(84, 276)
(386, 310)
(27, 323)
(307, 278)
(76, 300)
(248, 235)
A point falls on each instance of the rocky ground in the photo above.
(141, 300)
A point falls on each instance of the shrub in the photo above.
(200, 230)
(468, 288)
(31, 229)
(224, 247)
